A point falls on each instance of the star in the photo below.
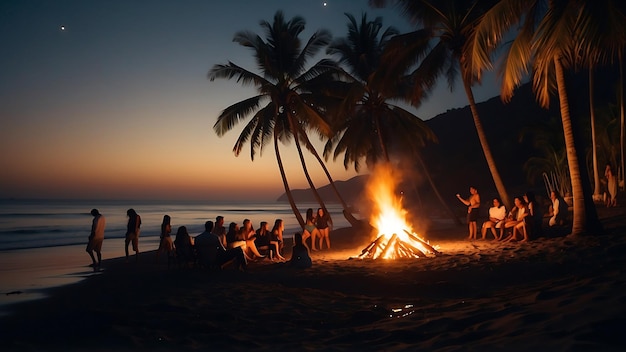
(324, 4)
(62, 28)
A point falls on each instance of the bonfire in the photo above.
(395, 236)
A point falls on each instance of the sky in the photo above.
(110, 99)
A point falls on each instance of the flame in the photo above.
(396, 234)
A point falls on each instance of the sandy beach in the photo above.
(561, 293)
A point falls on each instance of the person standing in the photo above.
(473, 204)
(323, 223)
(132, 232)
(166, 244)
(96, 237)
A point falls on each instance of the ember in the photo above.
(395, 238)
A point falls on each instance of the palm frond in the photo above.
(235, 113)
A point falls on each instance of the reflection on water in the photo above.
(405, 311)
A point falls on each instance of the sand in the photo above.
(559, 293)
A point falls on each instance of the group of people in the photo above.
(216, 246)
(96, 236)
(525, 217)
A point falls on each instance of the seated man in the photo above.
(211, 251)
(559, 210)
(497, 213)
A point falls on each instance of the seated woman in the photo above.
(300, 258)
(511, 222)
(234, 239)
(497, 213)
(248, 234)
(184, 247)
(534, 220)
(310, 230)
(263, 240)
(277, 234)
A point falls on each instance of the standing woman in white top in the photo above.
(497, 213)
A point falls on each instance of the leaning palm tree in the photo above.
(451, 23)
(554, 36)
(282, 87)
(368, 122)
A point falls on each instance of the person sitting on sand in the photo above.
(277, 234)
(558, 210)
(473, 206)
(611, 184)
(234, 239)
(513, 220)
(166, 244)
(211, 252)
(132, 232)
(96, 237)
(497, 213)
(220, 230)
(323, 223)
(263, 240)
(534, 220)
(310, 230)
(184, 246)
(249, 235)
(300, 258)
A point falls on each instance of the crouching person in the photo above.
(212, 254)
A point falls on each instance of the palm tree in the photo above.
(282, 85)
(368, 123)
(451, 23)
(554, 36)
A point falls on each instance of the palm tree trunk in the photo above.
(347, 213)
(434, 187)
(592, 114)
(497, 180)
(292, 203)
(380, 138)
(622, 127)
(585, 217)
(306, 173)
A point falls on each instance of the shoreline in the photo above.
(551, 293)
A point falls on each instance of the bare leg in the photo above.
(305, 236)
(314, 234)
(327, 237)
(250, 245)
(93, 259)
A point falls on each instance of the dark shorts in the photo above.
(472, 215)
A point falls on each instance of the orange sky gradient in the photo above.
(118, 106)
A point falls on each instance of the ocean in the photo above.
(27, 224)
(42, 242)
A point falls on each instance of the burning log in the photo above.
(371, 248)
(424, 243)
(395, 247)
(389, 245)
